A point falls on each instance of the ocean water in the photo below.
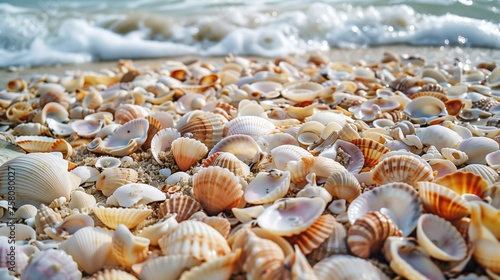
(47, 32)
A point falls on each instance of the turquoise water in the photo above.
(42, 32)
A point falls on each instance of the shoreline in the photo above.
(368, 54)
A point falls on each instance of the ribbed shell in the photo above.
(51, 264)
(167, 267)
(127, 248)
(347, 267)
(46, 218)
(336, 243)
(465, 183)
(111, 179)
(243, 147)
(315, 235)
(187, 152)
(113, 217)
(206, 128)
(249, 125)
(44, 144)
(285, 153)
(343, 185)
(229, 161)
(444, 202)
(371, 149)
(184, 206)
(486, 172)
(219, 269)
(401, 168)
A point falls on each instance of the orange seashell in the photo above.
(463, 182)
(315, 235)
(187, 152)
(371, 149)
(43, 144)
(402, 168)
(438, 95)
(206, 128)
(154, 126)
(229, 161)
(343, 185)
(440, 200)
(127, 112)
(454, 106)
(184, 206)
(217, 189)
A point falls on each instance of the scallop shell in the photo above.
(183, 206)
(349, 132)
(220, 268)
(195, 239)
(43, 144)
(26, 211)
(343, 185)
(399, 201)
(111, 179)
(351, 157)
(289, 216)
(127, 112)
(217, 189)
(315, 235)
(267, 187)
(30, 129)
(243, 147)
(336, 243)
(90, 248)
(347, 267)
(162, 141)
(229, 161)
(322, 166)
(167, 267)
(409, 260)
(249, 125)
(440, 239)
(70, 224)
(187, 152)
(81, 200)
(124, 141)
(285, 153)
(113, 217)
(477, 148)
(465, 183)
(87, 128)
(135, 194)
(369, 232)
(51, 264)
(371, 149)
(127, 248)
(46, 171)
(18, 232)
(402, 168)
(205, 127)
(442, 201)
(484, 171)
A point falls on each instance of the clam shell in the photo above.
(402, 168)
(243, 147)
(127, 112)
(248, 213)
(347, 267)
(486, 245)
(167, 267)
(183, 206)
(397, 200)
(127, 248)
(355, 159)
(18, 232)
(465, 183)
(87, 128)
(477, 148)
(442, 167)
(70, 224)
(440, 239)
(371, 149)
(336, 243)
(493, 160)
(229, 161)
(315, 235)
(111, 179)
(87, 174)
(206, 128)
(343, 185)
(222, 225)
(217, 189)
(349, 132)
(267, 187)
(439, 136)
(52, 110)
(195, 239)
(81, 200)
(43, 144)
(484, 171)
(249, 125)
(46, 171)
(187, 152)
(291, 216)
(162, 141)
(113, 217)
(369, 232)
(135, 194)
(285, 153)
(156, 231)
(51, 264)
(322, 166)
(90, 248)
(444, 202)
(220, 268)
(425, 108)
(107, 163)
(270, 141)
(301, 92)
(25, 212)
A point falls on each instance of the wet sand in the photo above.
(431, 54)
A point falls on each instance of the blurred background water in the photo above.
(46, 32)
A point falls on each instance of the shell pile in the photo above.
(286, 169)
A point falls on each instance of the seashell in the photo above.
(154, 126)
(271, 141)
(87, 174)
(442, 167)
(205, 127)
(189, 102)
(79, 112)
(26, 211)
(248, 213)
(336, 243)
(127, 248)
(440, 238)
(439, 95)
(493, 160)
(371, 149)
(90, 248)
(135, 194)
(43, 144)
(489, 217)
(46, 171)
(243, 147)
(409, 260)
(442, 201)
(19, 113)
(267, 187)
(350, 155)
(326, 117)
(63, 230)
(285, 153)
(111, 274)
(338, 206)
(166, 267)
(187, 152)
(322, 166)
(162, 141)
(229, 161)
(291, 216)
(220, 268)
(347, 267)
(124, 141)
(456, 156)
(17, 85)
(156, 231)
(222, 225)
(439, 136)
(81, 200)
(493, 79)
(250, 108)
(92, 100)
(402, 168)
(51, 264)
(113, 217)
(315, 235)
(424, 109)
(399, 201)
(128, 112)
(484, 171)
(369, 232)
(52, 110)
(249, 125)
(87, 128)
(217, 189)
(183, 206)
(178, 178)
(349, 132)
(104, 163)
(343, 185)
(111, 179)
(18, 232)
(477, 148)
(194, 239)
(313, 190)
(300, 92)
(465, 183)
(30, 129)
(107, 130)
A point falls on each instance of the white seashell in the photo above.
(113, 217)
(26, 211)
(493, 160)
(111, 179)
(46, 171)
(271, 141)
(156, 231)
(338, 206)
(81, 200)
(286, 153)
(347, 267)
(135, 194)
(290, 216)
(301, 92)
(165, 267)
(243, 147)
(63, 230)
(247, 214)
(267, 187)
(18, 232)
(178, 177)
(162, 141)
(439, 136)
(493, 80)
(127, 248)
(220, 268)
(442, 167)
(477, 148)
(249, 125)
(86, 173)
(454, 155)
(87, 128)
(107, 163)
(51, 264)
